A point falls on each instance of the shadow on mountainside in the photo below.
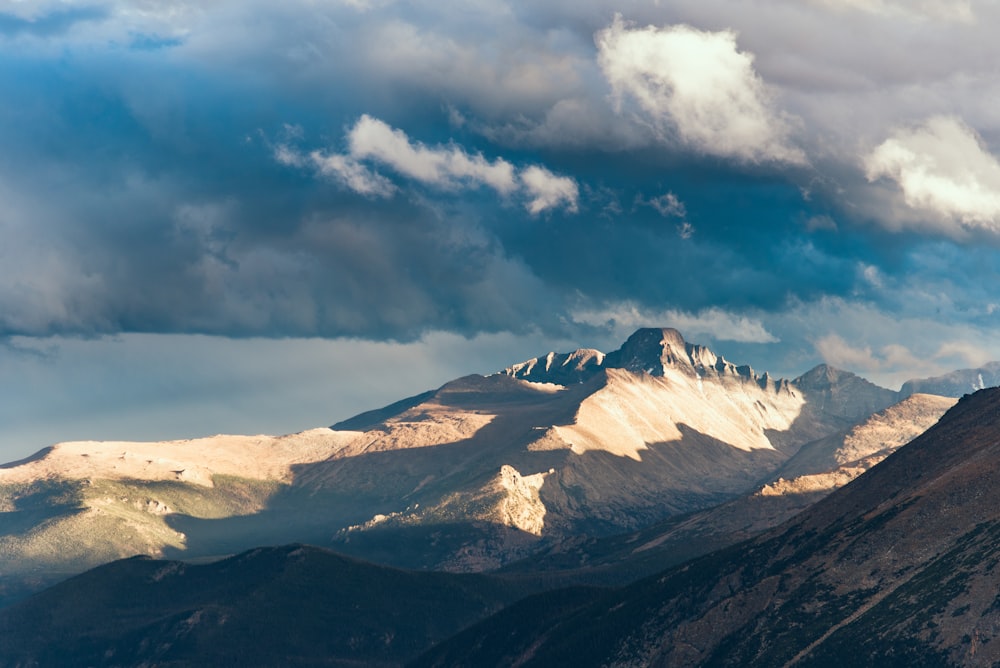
(897, 568)
(442, 498)
(595, 493)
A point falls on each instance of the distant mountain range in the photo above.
(956, 383)
(581, 468)
(480, 472)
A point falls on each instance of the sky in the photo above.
(258, 217)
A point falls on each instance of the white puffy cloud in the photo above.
(444, 167)
(714, 323)
(448, 167)
(548, 191)
(943, 170)
(698, 85)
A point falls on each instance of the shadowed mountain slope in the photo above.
(896, 568)
(290, 606)
(819, 468)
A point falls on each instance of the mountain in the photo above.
(956, 383)
(290, 605)
(817, 469)
(834, 460)
(299, 605)
(468, 477)
(897, 568)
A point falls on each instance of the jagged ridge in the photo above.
(650, 350)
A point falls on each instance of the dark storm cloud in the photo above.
(525, 180)
(142, 192)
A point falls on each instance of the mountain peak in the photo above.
(822, 376)
(657, 334)
(651, 349)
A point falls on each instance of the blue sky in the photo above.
(264, 217)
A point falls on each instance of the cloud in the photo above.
(839, 353)
(548, 191)
(341, 168)
(352, 174)
(714, 323)
(47, 25)
(948, 10)
(898, 359)
(668, 205)
(943, 169)
(698, 85)
(443, 167)
(447, 168)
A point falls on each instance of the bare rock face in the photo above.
(561, 368)
(521, 507)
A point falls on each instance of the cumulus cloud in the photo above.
(698, 85)
(944, 170)
(443, 166)
(448, 167)
(548, 191)
(714, 323)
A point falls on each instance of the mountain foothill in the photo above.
(654, 505)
